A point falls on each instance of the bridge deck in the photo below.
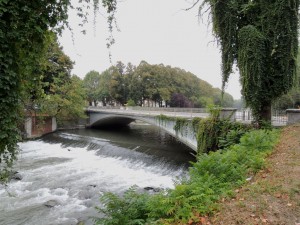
(152, 113)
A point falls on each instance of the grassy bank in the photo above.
(273, 195)
(213, 177)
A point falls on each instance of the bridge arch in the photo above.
(112, 120)
(103, 119)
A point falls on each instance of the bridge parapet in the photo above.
(154, 111)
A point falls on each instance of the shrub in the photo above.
(130, 102)
(130, 209)
(215, 133)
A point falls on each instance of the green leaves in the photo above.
(130, 209)
(214, 133)
(24, 33)
(252, 58)
(212, 177)
(23, 29)
(262, 38)
(67, 100)
(158, 84)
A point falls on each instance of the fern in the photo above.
(212, 177)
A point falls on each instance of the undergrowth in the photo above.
(212, 177)
(215, 133)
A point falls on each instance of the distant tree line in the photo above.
(151, 85)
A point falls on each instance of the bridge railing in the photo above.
(156, 109)
(279, 117)
(104, 107)
(168, 109)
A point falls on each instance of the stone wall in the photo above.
(293, 116)
(38, 125)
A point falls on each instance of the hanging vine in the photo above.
(24, 28)
(262, 38)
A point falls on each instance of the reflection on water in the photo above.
(73, 168)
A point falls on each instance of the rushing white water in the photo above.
(73, 170)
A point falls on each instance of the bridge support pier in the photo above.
(228, 113)
(293, 116)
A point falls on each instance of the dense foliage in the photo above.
(214, 133)
(152, 85)
(23, 31)
(91, 83)
(53, 91)
(212, 177)
(291, 100)
(24, 28)
(262, 38)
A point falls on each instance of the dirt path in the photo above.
(273, 195)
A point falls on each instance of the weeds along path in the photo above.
(273, 195)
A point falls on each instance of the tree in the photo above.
(117, 84)
(292, 98)
(179, 100)
(222, 99)
(55, 64)
(104, 87)
(23, 36)
(66, 101)
(22, 40)
(262, 38)
(55, 92)
(91, 83)
(155, 84)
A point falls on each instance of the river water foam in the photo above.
(72, 170)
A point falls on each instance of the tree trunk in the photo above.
(265, 114)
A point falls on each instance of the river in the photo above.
(72, 169)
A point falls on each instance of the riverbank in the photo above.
(273, 195)
(212, 178)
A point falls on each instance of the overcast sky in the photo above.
(157, 31)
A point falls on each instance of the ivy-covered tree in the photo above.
(261, 37)
(23, 35)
